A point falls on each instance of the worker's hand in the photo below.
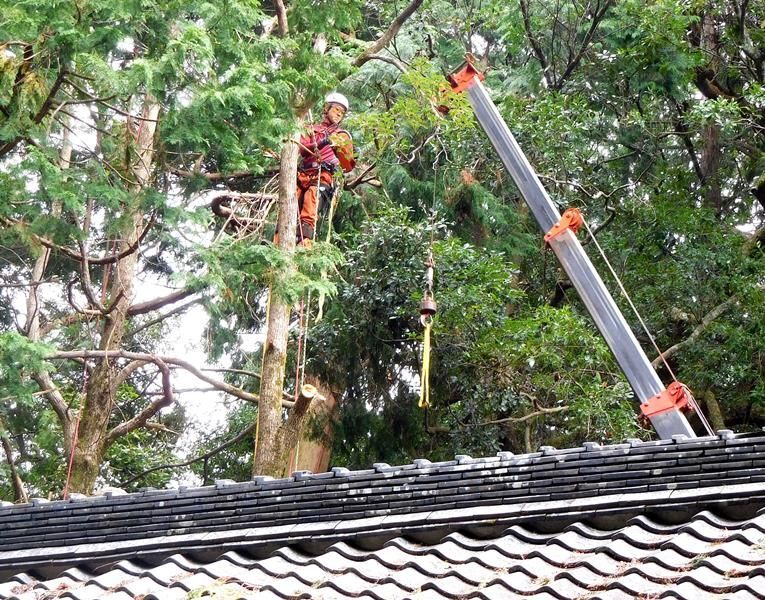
(322, 140)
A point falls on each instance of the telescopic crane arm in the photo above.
(663, 406)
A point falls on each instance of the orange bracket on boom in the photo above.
(571, 219)
(674, 397)
(463, 79)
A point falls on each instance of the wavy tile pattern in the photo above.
(573, 523)
(706, 557)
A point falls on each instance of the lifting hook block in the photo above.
(675, 397)
(428, 307)
(571, 219)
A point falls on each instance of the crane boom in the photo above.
(661, 405)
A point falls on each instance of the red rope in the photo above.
(75, 434)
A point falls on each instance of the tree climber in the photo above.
(325, 149)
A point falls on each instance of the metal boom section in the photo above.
(661, 405)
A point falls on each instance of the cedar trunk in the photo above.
(270, 456)
(100, 396)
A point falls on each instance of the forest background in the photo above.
(123, 121)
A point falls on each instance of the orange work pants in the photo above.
(308, 203)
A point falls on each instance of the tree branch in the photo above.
(281, 18)
(391, 60)
(536, 413)
(597, 17)
(153, 358)
(79, 257)
(86, 283)
(212, 177)
(237, 438)
(131, 368)
(386, 37)
(163, 316)
(19, 493)
(534, 42)
(700, 328)
(141, 418)
(157, 303)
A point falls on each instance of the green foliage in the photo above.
(649, 40)
(240, 271)
(235, 461)
(18, 359)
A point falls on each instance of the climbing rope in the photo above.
(691, 399)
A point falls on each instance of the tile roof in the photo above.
(673, 519)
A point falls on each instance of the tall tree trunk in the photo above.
(714, 412)
(710, 166)
(101, 389)
(710, 153)
(267, 460)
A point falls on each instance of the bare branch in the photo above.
(389, 34)
(131, 368)
(700, 328)
(536, 413)
(209, 454)
(58, 404)
(212, 177)
(391, 60)
(113, 258)
(597, 17)
(86, 284)
(153, 358)
(142, 417)
(359, 180)
(166, 315)
(157, 303)
(102, 101)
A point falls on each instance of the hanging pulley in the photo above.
(428, 306)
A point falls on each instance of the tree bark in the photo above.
(710, 153)
(288, 433)
(266, 460)
(716, 419)
(312, 453)
(19, 493)
(102, 389)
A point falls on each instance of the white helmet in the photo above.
(335, 98)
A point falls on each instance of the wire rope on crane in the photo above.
(428, 306)
(623, 290)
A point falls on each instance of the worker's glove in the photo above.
(322, 140)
